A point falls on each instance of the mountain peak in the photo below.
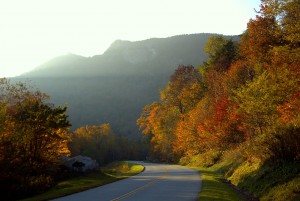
(151, 56)
(117, 44)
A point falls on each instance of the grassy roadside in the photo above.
(268, 180)
(213, 189)
(112, 172)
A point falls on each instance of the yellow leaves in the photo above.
(106, 128)
(157, 121)
(93, 132)
(147, 118)
(62, 148)
(98, 142)
(291, 21)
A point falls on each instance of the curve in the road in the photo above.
(157, 182)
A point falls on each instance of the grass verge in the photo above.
(213, 189)
(274, 181)
(108, 174)
(268, 180)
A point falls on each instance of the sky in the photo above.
(35, 31)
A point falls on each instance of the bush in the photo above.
(231, 159)
(37, 184)
(285, 144)
(206, 159)
(19, 186)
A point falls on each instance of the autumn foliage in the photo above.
(245, 95)
(103, 145)
(33, 136)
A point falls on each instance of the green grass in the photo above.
(122, 169)
(270, 180)
(213, 189)
(113, 172)
(212, 186)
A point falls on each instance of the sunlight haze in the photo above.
(34, 31)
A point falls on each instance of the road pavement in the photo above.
(157, 182)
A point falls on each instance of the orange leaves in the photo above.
(160, 120)
(237, 76)
(34, 133)
(147, 118)
(290, 110)
(184, 89)
(187, 136)
(244, 92)
(182, 138)
(258, 40)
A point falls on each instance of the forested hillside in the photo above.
(239, 110)
(114, 87)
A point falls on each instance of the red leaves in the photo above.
(290, 110)
(221, 110)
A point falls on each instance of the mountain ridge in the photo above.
(123, 51)
(115, 86)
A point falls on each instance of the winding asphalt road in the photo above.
(157, 182)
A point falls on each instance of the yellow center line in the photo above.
(140, 188)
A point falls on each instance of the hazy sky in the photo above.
(34, 31)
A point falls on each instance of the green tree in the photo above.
(221, 53)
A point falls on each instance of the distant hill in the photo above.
(152, 56)
(115, 86)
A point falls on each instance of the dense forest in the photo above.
(240, 108)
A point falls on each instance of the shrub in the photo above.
(20, 186)
(206, 159)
